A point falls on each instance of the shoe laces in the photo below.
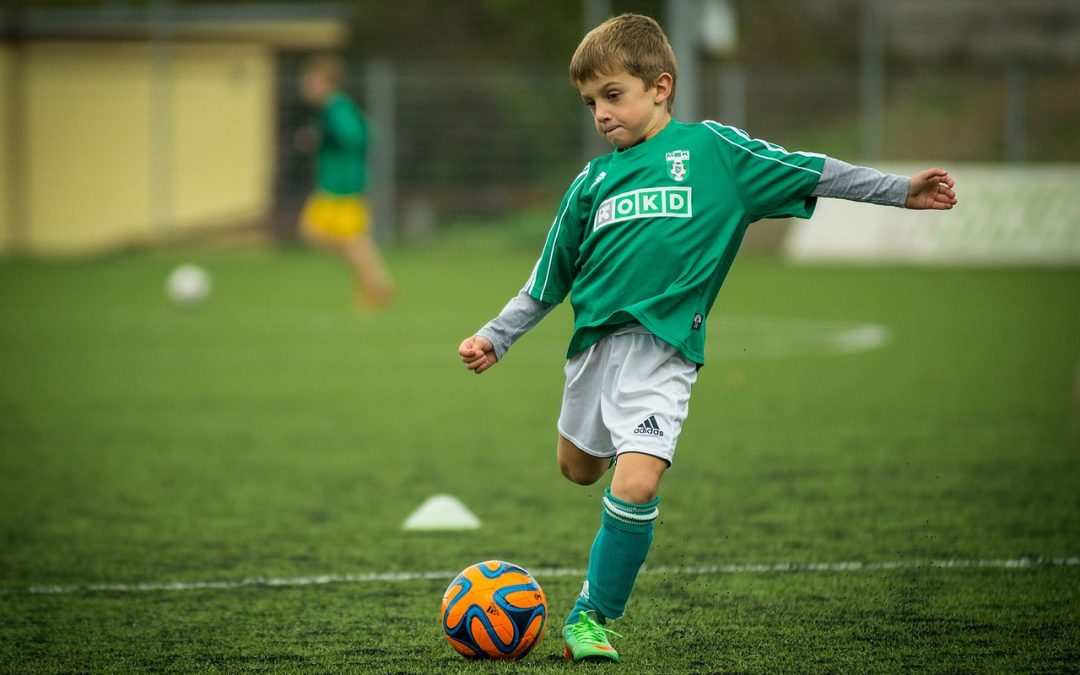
(590, 630)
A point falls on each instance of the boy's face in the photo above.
(624, 110)
(314, 86)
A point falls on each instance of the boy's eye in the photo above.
(613, 96)
(590, 104)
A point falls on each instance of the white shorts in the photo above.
(630, 392)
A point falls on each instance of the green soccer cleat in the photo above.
(587, 640)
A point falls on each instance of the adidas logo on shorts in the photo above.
(649, 427)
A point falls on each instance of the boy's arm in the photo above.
(491, 342)
(548, 285)
(518, 317)
(929, 189)
(344, 125)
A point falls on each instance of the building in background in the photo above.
(133, 126)
(147, 120)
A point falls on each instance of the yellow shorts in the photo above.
(327, 216)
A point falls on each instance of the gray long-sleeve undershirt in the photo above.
(838, 179)
(861, 184)
(516, 318)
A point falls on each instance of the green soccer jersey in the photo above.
(648, 234)
(339, 162)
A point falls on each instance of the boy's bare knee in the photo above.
(637, 478)
(575, 473)
(579, 466)
(637, 490)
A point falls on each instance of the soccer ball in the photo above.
(494, 610)
(188, 285)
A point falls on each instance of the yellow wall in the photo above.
(222, 134)
(123, 148)
(88, 140)
(5, 150)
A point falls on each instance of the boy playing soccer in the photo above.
(642, 242)
(336, 214)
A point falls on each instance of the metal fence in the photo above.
(482, 132)
(471, 142)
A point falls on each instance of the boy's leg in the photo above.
(630, 392)
(341, 224)
(315, 237)
(644, 402)
(585, 450)
(579, 466)
(374, 280)
(616, 556)
(624, 537)
(637, 477)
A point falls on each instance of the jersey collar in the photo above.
(644, 145)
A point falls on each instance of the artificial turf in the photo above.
(275, 432)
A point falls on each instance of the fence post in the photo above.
(872, 80)
(683, 19)
(732, 108)
(594, 12)
(380, 106)
(161, 119)
(1015, 111)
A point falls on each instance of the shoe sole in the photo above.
(592, 658)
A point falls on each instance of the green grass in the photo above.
(274, 432)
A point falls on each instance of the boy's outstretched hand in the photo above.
(477, 353)
(931, 189)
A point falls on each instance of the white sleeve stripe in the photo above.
(708, 125)
(549, 250)
(532, 278)
(531, 284)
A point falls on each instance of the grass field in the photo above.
(276, 433)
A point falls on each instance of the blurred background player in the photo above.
(336, 215)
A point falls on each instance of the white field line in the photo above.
(542, 573)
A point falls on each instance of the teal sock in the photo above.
(618, 552)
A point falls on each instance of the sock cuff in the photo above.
(630, 513)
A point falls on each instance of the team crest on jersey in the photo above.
(678, 164)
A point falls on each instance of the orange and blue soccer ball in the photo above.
(494, 610)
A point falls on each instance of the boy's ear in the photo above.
(664, 85)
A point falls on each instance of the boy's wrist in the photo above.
(516, 318)
(497, 345)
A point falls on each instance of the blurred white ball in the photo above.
(188, 285)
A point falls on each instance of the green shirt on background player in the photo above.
(642, 242)
(340, 158)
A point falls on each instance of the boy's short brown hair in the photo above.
(329, 66)
(629, 42)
